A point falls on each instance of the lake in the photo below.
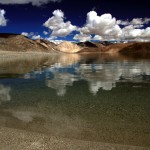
(90, 97)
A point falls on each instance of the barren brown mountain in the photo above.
(90, 47)
(136, 48)
(49, 45)
(68, 47)
(87, 44)
(115, 48)
(20, 43)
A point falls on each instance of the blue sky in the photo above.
(30, 16)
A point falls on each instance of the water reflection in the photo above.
(87, 97)
(60, 81)
(60, 71)
(4, 93)
(25, 63)
(23, 116)
(99, 76)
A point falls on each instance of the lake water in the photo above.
(86, 97)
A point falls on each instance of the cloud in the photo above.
(97, 27)
(136, 22)
(105, 38)
(31, 35)
(35, 37)
(130, 33)
(146, 33)
(82, 37)
(123, 22)
(58, 26)
(55, 41)
(104, 26)
(4, 93)
(33, 2)
(97, 37)
(3, 21)
(25, 34)
(45, 32)
(101, 25)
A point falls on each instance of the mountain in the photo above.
(49, 45)
(20, 43)
(115, 48)
(87, 44)
(106, 43)
(68, 47)
(136, 48)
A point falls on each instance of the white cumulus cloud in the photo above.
(101, 25)
(28, 34)
(136, 22)
(58, 26)
(105, 26)
(146, 33)
(55, 41)
(97, 37)
(35, 37)
(82, 37)
(131, 33)
(97, 27)
(33, 2)
(3, 21)
(32, 35)
(25, 34)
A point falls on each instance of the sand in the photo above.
(20, 54)
(14, 139)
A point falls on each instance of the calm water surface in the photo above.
(85, 97)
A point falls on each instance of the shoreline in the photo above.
(25, 140)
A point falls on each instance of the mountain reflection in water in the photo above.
(60, 71)
(89, 97)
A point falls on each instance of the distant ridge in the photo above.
(68, 47)
(87, 44)
(7, 35)
(20, 43)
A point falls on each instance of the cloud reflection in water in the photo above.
(99, 76)
(4, 93)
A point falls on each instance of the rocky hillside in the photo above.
(49, 45)
(136, 48)
(87, 44)
(20, 43)
(68, 47)
(115, 48)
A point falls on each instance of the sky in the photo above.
(79, 20)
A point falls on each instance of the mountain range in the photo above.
(20, 43)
